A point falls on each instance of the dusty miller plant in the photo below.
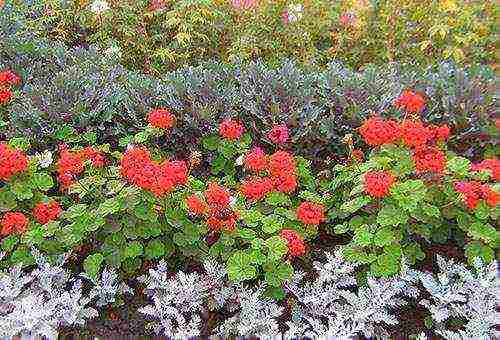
(335, 306)
(39, 302)
(180, 300)
(459, 293)
(107, 287)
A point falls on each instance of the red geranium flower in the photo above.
(414, 133)
(377, 131)
(311, 213)
(14, 222)
(5, 96)
(285, 182)
(256, 188)
(12, 162)
(8, 77)
(429, 159)
(281, 162)
(161, 118)
(295, 243)
(378, 183)
(69, 166)
(442, 132)
(96, 158)
(217, 196)
(410, 101)
(256, 160)
(196, 205)
(231, 129)
(46, 212)
(473, 191)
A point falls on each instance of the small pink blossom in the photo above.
(347, 19)
(244, 4)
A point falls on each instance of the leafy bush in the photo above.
(412, 190)
(159, 35)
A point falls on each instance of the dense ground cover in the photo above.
(265, 197)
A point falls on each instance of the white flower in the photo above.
(232, 201)
(44, 159)
(239, 160)
(99, 6)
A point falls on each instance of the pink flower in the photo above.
(278, 134)
(244, 4)
(347, 19)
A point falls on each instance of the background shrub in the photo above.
(158, 35)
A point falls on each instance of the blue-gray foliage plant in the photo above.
(457, 292)
(39, 302)
(335, 306)
(180, 300)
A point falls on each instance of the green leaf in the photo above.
(7, 200)
(42, 181)
(92, 264)
(252, 217)
(414, 253)
(9, 243)
(211, 143)
(246, 233)
(276, 248)
(383, 237)
(355, 204)
(391, 216)
(431, 210)
(459, 165)
(155, 249)
(20, 143)
(483, 231)
(477, 249)
(22, 190)
(272, 223)
(75, 211)
(65, 132)
(409, 194)
(280, 272)
(278, 198)
(133, 249)
(385, 266)
(109, 206)
(239, 267)
(362, 237)
(227, 149)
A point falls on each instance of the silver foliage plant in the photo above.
(334, 306)
(457, 292)
(38, 303)
(180, 300)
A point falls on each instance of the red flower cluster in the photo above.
(69, 165)
(256, 160)
(12, 161)
(46, 212)
(441, 132)
(220, 214)
(7, 79)
(429, 159)
(410, 101)
(161, 118)
(311, 213)
(5, 96)
(474, 191)
(378, 183)
(196, 205)
(96, 158)
(231, 129)
(14, 222)
(295, 243)
(415, 133)
(377, 131)
(256, 188)
(491, 164)
(279, 134)
(138, 168)
(281, 168)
